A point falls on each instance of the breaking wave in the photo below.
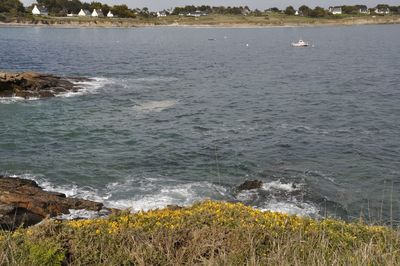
(14, 99)
(297, 208)
(281, 197)
(138, 194)
(86, 87)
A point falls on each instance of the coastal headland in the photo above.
(233, 21)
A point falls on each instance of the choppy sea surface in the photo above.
(177, 115)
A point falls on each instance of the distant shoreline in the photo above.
(205, 26)
(208, 22)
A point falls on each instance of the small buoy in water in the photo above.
(225, 37)
(247, 44)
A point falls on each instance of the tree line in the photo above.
(11, 6)
(63, 7)
(212, 10)
(321, 12)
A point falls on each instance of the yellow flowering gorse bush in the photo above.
(229, 215)
(211, 233)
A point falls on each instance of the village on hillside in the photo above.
(191, 11)
(75, 8)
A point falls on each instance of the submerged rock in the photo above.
(250, 184)
(35, 85)
(23, 202)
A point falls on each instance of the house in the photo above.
(162, 13)
(70, 13)
(97, 13)
(196, 13)
(40, 11)
(382, 11)
(335, 10)
(246, 11)
(84, 13)
(110, 15)
(100, 13)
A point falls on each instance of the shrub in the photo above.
(212, 233)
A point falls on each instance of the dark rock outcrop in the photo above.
(250, 184)
(35, 85)
(23, 202)
(173, 207)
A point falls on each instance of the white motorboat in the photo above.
(300, 43)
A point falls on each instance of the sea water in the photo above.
(171, 117)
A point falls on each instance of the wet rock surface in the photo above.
(36, 85)
(250, 184)
(23, 202)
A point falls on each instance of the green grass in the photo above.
(208, 233)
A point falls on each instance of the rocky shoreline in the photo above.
(24, 203)
(36, 85)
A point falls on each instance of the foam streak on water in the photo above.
(154, 106)
(14, 99)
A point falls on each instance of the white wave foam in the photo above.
(183, 195)
(79, 214)
(8, 100)
(156, 194)
(71, 190)
(86, 87)
(293, 208)
(279, 197)
(278, 185)
(155, 106)
(14, 99)
(274, 186)
(247, 195)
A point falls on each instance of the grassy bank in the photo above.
(273, 19)
(210, 233)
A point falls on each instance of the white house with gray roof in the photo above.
(335, 10)
(39, 11)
